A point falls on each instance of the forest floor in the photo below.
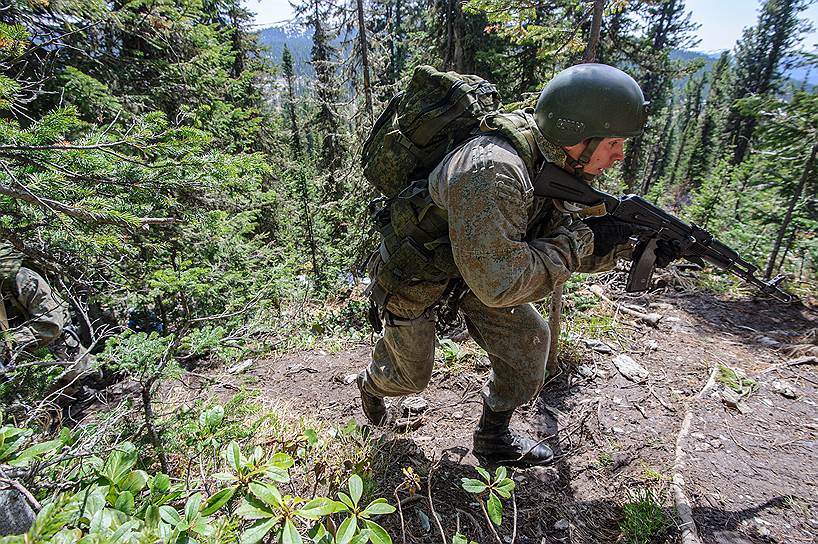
(748, 461)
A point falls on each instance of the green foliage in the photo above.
(491, 488)
(643, 519)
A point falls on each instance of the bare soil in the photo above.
(751, 473)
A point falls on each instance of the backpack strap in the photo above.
(516, 128)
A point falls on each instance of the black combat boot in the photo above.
(374, 407)
(496, 443)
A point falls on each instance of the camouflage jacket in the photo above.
(509, 246)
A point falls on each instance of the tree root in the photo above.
(688, 526)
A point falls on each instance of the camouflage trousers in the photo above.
(516, 340)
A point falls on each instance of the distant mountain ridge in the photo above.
(299, 41)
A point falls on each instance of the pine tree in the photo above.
(289, 77)
(760, 55)
(668, 28)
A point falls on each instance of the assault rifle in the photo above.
(652, 225)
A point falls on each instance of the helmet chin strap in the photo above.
(579, 164)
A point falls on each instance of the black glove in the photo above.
(666, 252)
(608, 232)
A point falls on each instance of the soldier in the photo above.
(511, 248)
(33, 317)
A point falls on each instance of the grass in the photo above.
(457, 357)
(643, 519)
(736, 381)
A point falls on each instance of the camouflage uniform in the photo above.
(511, 249)
(36, 317)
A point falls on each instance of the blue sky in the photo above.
(721, 20)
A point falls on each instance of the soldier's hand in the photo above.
(608, 233)
(666, 252)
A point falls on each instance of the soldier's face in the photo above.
(608, 152)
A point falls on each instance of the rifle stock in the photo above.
(653, 224)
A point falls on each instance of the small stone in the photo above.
(414, 405)
(620, 459)
(458, 414)
(562, 525)
(784, 389)
(630, 368)
(618, 430)
(241, 367)
(652, 345)
(701, 446)
(768, 342)
(350, 378)
(482, 363)
(598, 345)
(17, 515)
(548, 475)
(586, 371)
(424, 520)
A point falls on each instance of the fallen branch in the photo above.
(651, 319)
(25, 492)
(808, 360)
(687, 526)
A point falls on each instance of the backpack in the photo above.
(437, 113)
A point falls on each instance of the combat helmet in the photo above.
(590, 101)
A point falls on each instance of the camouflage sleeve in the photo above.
(46, 315)
(487, 193)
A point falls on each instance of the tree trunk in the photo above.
(365, 61)
(593, 35)
(785, 224)
(305, 203)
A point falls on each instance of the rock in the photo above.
(620, 459)
(586, 371)
(17, 513)
(458, 414)
(598, 345)
(784, 389)
(630, 368)
(241, 367)
(414, 405)
(424, 520)
(767, 341)
(548, 475)
(482, 363)
(350, 378)
(652, 345)
(562, 525)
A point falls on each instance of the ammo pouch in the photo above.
(414, 243)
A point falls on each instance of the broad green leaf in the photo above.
(248, 510)
(125, 502)
(346, 500)
(378, 534)
(312, 436)
(169, 515)
(217, 500)
(224, 477)
(484, 473)
(318, 532)
(203, 526)
(362, 537)
(459, 539)
(356, 488)
(495, 509)
(500, 474)
(277, 474)
(268, 494)
(282, 460)
(289, 534)
(152, 517)
(317, 508)
(160, 483)
(119, 463)
(233, 455)
(37, 450)
(135, 481)
(123, 533)
(473, 486)
(192, 506)
(346, 531)
(377, 507)
(257, 531)
(505, 487)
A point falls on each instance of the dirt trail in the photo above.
(751, 473)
